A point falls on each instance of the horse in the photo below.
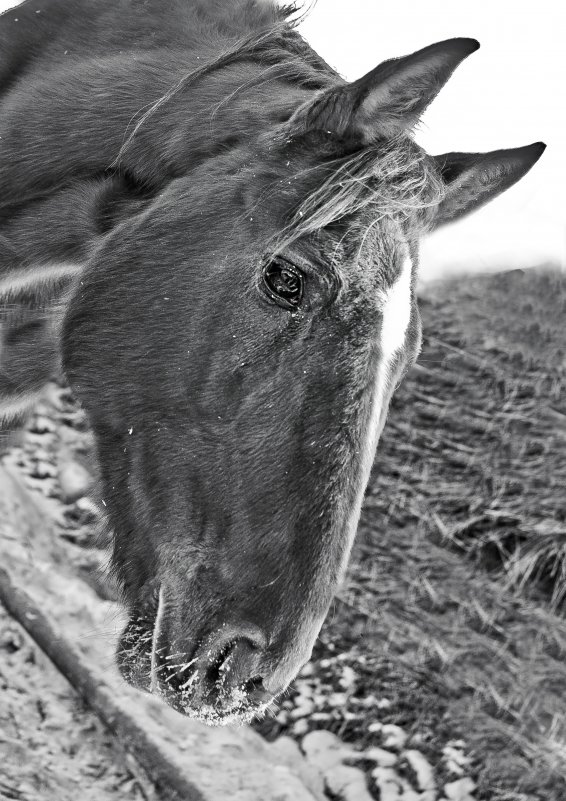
(214, 238)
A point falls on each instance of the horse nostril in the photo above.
(235, 666)
(256, 692)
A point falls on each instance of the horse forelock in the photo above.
(392, 181)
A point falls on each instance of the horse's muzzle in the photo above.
(220, 681)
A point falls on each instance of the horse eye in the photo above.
(284, 283)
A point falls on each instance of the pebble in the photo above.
(75, 481)
(41, 455)
(374, 727)
(304, 688)
(307, 670)
(422, 769)
(304, 708)
(320, 716)
(347, 784)
(348, 678)
(388, 783)
(460, 790)
(369, 700)
(325, 750)
(42, 425)
(394, 736)
(337, 699)
(286, 751)
(43, 470)
(380, 756)
(300, 727)
(456, 761)
(84, 511)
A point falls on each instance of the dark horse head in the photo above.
(235, 267)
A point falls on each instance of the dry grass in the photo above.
(457, 582)
(474, 450)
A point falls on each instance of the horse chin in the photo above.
(135, 654)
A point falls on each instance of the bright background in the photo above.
(509, 93)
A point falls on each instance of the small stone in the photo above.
(84, 511)
(43, 470)
(303, 709)
(346, 783)
(337, 699)
(460, 790)
(304, 688)
(394, 736)
(286, 751)
(456, 761)
(42, 425)
(11, 638)
(325, 750)
(41, 455)
(388, 783)
(282, 717)
(375, 727)
(422, 769)
(348, 678)
(75, 481)
(300, 727)
(369, 700)
(380, 756)
(411, 795)
(307, 670)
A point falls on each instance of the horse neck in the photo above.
(61, 184)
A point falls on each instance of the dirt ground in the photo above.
(51, 746)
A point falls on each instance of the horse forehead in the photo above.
(381, 254)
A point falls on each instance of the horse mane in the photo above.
(279, 48)
(392, 179)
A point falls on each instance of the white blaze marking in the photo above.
(154, 688)
(396, 311)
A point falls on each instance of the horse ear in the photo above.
(389, 99)
(473, 179)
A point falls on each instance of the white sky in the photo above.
(509, 93)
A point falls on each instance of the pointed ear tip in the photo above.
(470, 45)
(463, 45)
(533, 152)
